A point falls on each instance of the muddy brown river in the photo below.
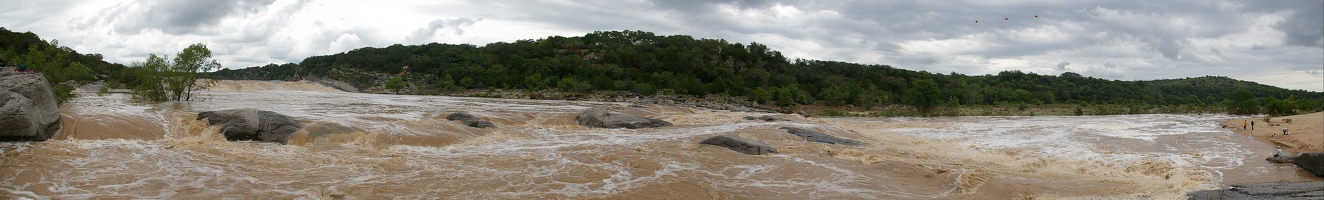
(375, 146)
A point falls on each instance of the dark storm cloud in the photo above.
(1306, 26)
(176, 17)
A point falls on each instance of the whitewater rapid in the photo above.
(373, 146)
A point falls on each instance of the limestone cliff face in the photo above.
(28, 111)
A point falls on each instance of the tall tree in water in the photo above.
(165, 80)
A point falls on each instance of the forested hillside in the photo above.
(63, 67)
(647, 64)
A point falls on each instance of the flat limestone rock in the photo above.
(470, 120)
(1270, 190)
(740, 144)
(767, 118)
(252, 125)
(814, 136)
(601, 118)
(1281, 159)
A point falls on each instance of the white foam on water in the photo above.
(546, 158)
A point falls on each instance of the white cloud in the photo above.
(1127, 39)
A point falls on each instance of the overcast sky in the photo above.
(1278, 43)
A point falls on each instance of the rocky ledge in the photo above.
(1273, 190)
(740, 144)
(814, 136)
(602, 118)
(252, 125)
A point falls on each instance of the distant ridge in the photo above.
(646, 64)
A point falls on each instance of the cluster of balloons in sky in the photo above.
(1007, 18)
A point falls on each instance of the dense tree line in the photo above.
(647, 64)
(63, 67)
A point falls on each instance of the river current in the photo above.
(375, 146)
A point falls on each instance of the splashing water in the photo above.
(372, 146)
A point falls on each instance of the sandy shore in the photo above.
(1307, 131)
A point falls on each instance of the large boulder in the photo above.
(601, 118)
(1312, 162)
(814, 136)
(28, 110)
(1269, 190)
(739, 144)
(252, 125)
(470, 120)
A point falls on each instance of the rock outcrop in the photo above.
(28, 110)
(1271, 190)
(814, 136)
(1312, 162)
(252, 125)
(470, 120)
(601, 118)
(1281, 159)
(740, 144)
(767, 118)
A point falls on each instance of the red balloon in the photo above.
(1005, 19)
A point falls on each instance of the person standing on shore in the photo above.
(1243, 124)
(1252, 125)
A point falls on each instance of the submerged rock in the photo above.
(768, 118)
(601, 118)
(1312, 162)
(470, 120)
(813, 136)
(739, 144)
(1271, 190)
(28, 110)
(252, 124)
(327, 132)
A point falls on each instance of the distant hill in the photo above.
(646, 64)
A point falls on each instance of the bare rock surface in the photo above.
(602, 118)
(1270, 190)
(740, 144)
(28, 110)
(814, 136)
(470, 120)
(252, 125)
(1312, 162)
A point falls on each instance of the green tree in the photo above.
(150, 85)
(923, 94)
(760, 95)
(182, 77)
(1243, 102)
(160, 79)
(395, 84)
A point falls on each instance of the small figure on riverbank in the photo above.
(1252, 125)
(1285, 132)
(1280, 152)
(1243, 124)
